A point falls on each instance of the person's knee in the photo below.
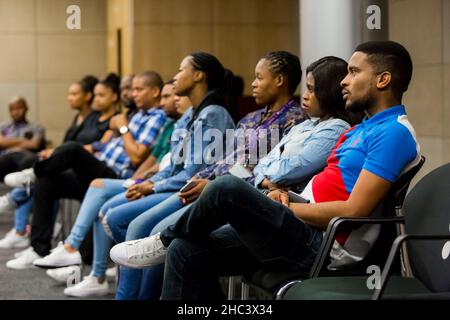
(70, 145)
(226, 185)
(177, 253)
(43, 186)
(97, 183)
(110, 218)
(134, 231)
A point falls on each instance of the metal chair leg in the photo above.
(244, 290)
(231, 283)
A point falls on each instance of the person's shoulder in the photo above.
(214, 111)
(35, 126)
(212, 108)
(337, 123)
(94, 116)
(159, 112)
(395, 127)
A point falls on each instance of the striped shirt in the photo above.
(145, 127)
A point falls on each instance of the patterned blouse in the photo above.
(254, 137)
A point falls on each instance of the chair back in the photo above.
(427, 212)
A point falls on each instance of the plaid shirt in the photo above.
(145, 127)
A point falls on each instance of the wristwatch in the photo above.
(123, 130)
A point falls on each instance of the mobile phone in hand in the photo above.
(188, 186)
(296, 198)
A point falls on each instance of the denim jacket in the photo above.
(303, 151)
(188, 145)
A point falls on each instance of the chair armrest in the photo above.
(392, 254)
(331, 232)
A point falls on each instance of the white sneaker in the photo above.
(18, 254)
(14, 240)
(63, 274)
(18, 179)
(87, 288)
(111, 272)
(59, 257)
(25, 261)
(140, 253)
(6, 205)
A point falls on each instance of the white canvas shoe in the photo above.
(59, 257)
(20, 179)
(25, 261)
(14, 240)
(140, 253)
(89, 287)
(63, 274)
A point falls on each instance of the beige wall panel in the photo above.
(17, 16)
(267, 12)
(69, 57)
(423, 101)
(446, 118)
(237, 52)
(446, 30)
(119, 16)
(162, 48)
(17, 58)
(432, 148)
(173, 11)
(417, 24)
(446, 150)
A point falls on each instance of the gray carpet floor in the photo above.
(30, 284)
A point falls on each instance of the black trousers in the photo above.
(16, 161)
(66, 174)
(232, 229)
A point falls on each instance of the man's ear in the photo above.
(280, 80)
(156, 92)
(384, 79)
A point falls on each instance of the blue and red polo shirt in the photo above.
(384, 145)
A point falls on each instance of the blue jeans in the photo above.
(232, 229)
(88, 216)
(130, 279)
(152, 277)
(119, 213)
(94, 199)
(23, 201)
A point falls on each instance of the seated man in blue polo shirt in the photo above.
(233, 229)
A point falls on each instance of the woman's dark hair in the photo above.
(219, 80)
(287, 64)
(112, 81)
(88, 84)
(328, 72)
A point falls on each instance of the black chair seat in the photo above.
(272, 280)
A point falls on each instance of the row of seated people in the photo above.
(99, 106)
(227, 226)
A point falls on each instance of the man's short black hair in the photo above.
(392, 57)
